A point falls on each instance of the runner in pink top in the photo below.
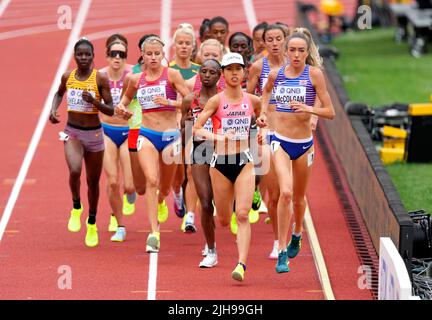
(147, 90)
(234, 117)
(231, 169)
(158, 144)
(116, 164)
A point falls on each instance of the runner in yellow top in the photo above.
(83, 136)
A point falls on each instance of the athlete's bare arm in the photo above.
(210, 109)
(253, 78)
(326, 109)
(54, 116)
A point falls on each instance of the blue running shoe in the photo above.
(282, 263)
(179, 205)
(294, 246)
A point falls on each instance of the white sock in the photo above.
(180, 194)
(190, 216)
(297, 234)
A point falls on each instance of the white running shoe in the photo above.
(263, 208)
(204, 252)
(209, 261)
(274, 254)
(120, 235)
(190, 223)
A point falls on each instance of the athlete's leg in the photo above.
(223, 194)
(125, 163)
(179, 168)
(111, 168)
(148, 157)
(179, 192)
(301, 173)
(93, 163)
(129, 194)
(244, 189)
(74, 153)
(261, 172)
(191, 196)
(137, 173)
(179, 178)
(169, 162)
(272, 185)
(282, 164)
(202, 181)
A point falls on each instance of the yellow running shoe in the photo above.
(234, 225)
(113, 224)
(162, 212)
(253, 216)
(74, 224)
(267, 220)
(153, 242)
(128, 208)
(238, 273)
(92, 238)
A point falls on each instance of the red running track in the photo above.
(36, 243)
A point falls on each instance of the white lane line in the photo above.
(250, 13)
(93, 36)
(67, 55)
(318, 256)
(28, 31)
(3, 5)
(165, 29)
(30, 19)
(151, 290)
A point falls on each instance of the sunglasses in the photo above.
(115, 53)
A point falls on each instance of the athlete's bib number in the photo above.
(76, 103)
(208, 126)
(240, 126)
(147, 94)
(116, 94)
(285, 94)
